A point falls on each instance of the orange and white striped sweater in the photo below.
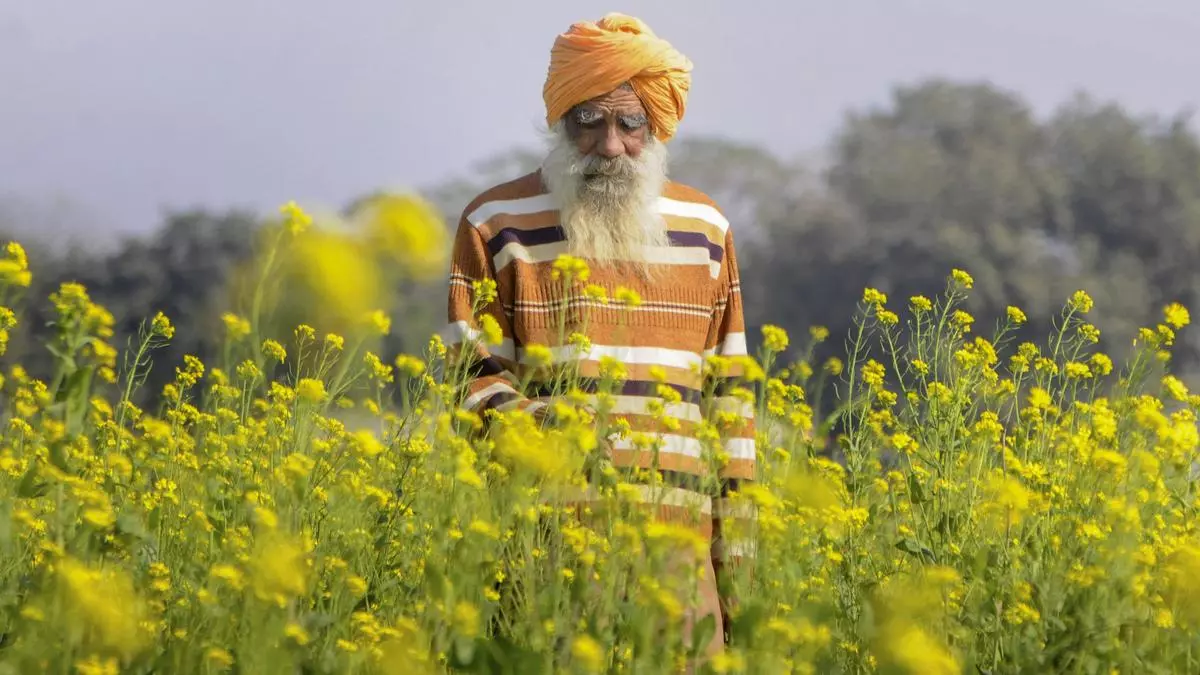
(693, 309)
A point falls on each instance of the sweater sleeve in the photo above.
(488, 371)
(728, 338)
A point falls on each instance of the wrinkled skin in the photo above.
(609, 126)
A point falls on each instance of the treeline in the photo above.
(946, 175)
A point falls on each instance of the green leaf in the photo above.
(949, 524)
(30, 486)
(67, 360)
(58, 456)
(130, 525)
(916, 549)
(916, 491)
(78, 389)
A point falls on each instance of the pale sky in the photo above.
(116, 110)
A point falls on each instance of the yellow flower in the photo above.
(410, 365)
(1015, 315)
(1077, 371)
(94, 665)
(588, 653)
(818, 333)
(1040, 399)
(909, 648)
(873, 373)
(962, 319)
(582, 343)
(332, 280)
(311, 390)
(570, 268)
(228, 574)
(1101, 364)
(379, 322)
(296, 633)
(484, 528)
(489, 328)
(612, 368)
(775, 339)
(408, 230)
(484, 291)
(1008, 501)
(16, 253)
(294, 217)
(235, 326)
(627, 297)
(334, 342)
(161, 325)
(1080, 302)
(278, 569)
(920, 303)
(437, 346)
(888, 318)
(103, 604)
(14, 267)
(305, 333)
(904, 443)
(466, 619)
(218, 658)
(376, 368)
(1089, 332)
(875, 297)
(1175, 387)
(1176, 315)
(273, 350)
(596, 293)
(962, 278)
(538, 355)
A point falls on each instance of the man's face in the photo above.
(606, 170)
(609, 126)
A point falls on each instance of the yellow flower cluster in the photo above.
(307, 503)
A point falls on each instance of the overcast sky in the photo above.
(122, 108)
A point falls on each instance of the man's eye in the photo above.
(633, 123)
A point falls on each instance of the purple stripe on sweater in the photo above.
(498, 399)
(715, 252)
(509, 235)
(552, 234)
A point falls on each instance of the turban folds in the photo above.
(592, 59)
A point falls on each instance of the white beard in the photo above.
(608, 208)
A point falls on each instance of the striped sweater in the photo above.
(510, 234)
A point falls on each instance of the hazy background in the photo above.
(111, 112)
(1043, 146)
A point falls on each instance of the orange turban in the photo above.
(592, 59)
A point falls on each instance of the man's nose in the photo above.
(611, 144)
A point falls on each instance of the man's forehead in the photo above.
(620, 100)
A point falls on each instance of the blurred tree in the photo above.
(181, 271)
(961, 175)
(1134, 189)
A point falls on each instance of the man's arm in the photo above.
(489, 370)
(728, 339)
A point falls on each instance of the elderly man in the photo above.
(614, 95)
